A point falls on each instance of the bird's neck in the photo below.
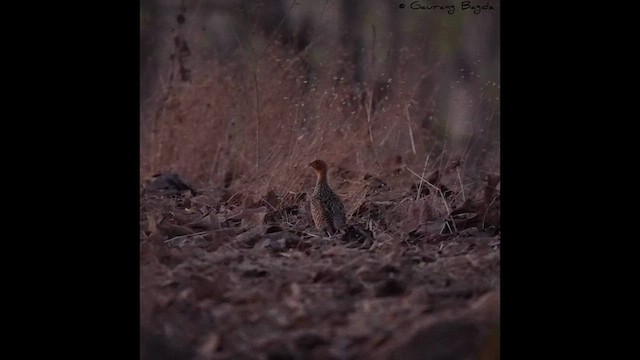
(321, 178)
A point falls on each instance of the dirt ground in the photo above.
(225, 276)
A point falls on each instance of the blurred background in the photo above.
(243, 94)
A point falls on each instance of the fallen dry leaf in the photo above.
(244, 284)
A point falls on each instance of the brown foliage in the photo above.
(225, 281)
(231, 266)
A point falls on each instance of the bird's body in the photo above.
(327, 209)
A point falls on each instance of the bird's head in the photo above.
(319, 166)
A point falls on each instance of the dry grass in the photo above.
(239, 270)
(214, 133)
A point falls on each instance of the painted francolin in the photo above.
(327, 209)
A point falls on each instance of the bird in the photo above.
(327, 209)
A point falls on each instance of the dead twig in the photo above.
(413, 145)
(188, 235)
(424, 168)
(464, 199)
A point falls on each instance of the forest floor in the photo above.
(227, 278)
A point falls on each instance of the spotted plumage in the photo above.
(327, 209)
